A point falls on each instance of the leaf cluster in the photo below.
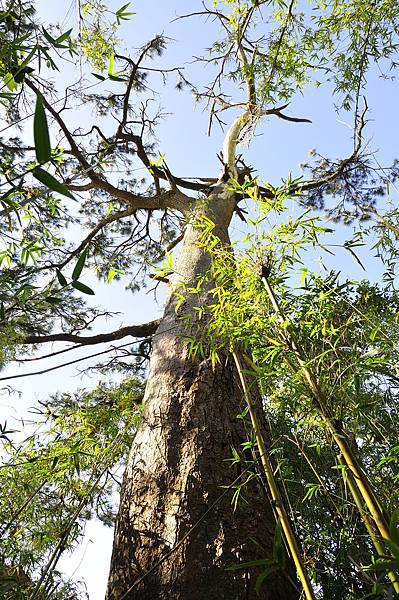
(71, 458)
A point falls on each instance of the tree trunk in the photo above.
(177, 469)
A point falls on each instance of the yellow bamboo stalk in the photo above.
(274, 491)
(370, 528)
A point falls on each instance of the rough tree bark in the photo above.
(177, 466)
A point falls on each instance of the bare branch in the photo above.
(206, 12)
(144, 330)
(132, 77)
(278, 113)
(66, 364)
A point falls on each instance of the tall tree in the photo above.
(176, 533)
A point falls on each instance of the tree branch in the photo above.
(169, 199)
(144, 330)
(132, 77)
(66, 364)
(100, 225)
(331, 176)
(158, 171)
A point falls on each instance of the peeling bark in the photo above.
(178, 465)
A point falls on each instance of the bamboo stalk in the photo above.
(22, 508)
(274, 491)
(370, 528)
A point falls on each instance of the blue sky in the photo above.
(278, 148)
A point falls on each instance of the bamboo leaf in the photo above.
(51, 182)
(355, 256)
(278, 545)
(111, 65)
(53, 299)
(261, 562)
(79, 266)
(382, 564)
(48, 37)
(63, 37)
(263, 576)
(78, 285)
(41, 132)
(10, 82)
(115, 78)
(394, 526)
(61, 279)
(394, 548)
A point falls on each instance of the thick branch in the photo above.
(144, 330)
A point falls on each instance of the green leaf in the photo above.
(382, 564)
(79, 266)
(115, 78)
(51, 182)
(278, 545)
(356, 381)
(61, 279)
(111, 275)
(26, 60)
(394, 548)
(41, 133)
(355, 256)
(82, 288)
(53, 299)
(111, 64)
(57, 41)
(100, 77)
(48, 37)
(123, 8)
(10, 82)
(76, 461)
(122, 14)
(20, 75)
(262, 562)
(4, 197)
(63, 37)
(263, 576)
(113, 272)
(51, 64)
